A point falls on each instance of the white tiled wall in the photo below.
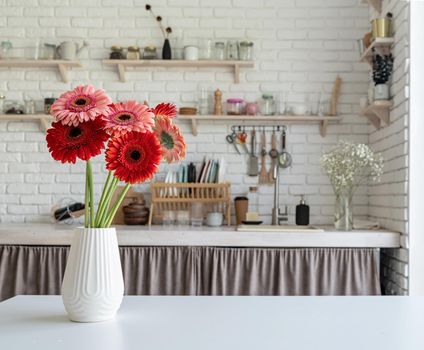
(388, 200)
(300, 47)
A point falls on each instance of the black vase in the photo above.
(166, 50)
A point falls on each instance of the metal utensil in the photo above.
(284, 159)
(241, 140)
(263, 175)
(273, 153)
(253, 165)
(231, 139)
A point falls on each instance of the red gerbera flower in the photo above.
(167, 110)
(79, 105)
(128, 116)
(134, 156)
(67, 143)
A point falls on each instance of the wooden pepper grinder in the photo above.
(218, 102)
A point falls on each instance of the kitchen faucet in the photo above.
(277, 215)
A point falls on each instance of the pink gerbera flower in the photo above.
(167, 110)
(171, 140)
(128, 116)
(82, 104)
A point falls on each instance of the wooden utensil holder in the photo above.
(180, 196)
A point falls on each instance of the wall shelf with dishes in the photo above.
(376, 4)
(63, 66)
(322, 121)
(123, 65)
(44, 119)
(377, 112)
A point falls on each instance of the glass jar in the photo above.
(133, 53)
(267, 104)
(150, 53)
(2, 98)
(232, 50)
(235, 106)
(5, 49)
(117, 53)
(246, 51)
(219, 51)
(252, 108)
(253, 197)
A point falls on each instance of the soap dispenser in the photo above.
(302, 212)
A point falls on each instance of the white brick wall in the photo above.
(301, 46)
(388, 199)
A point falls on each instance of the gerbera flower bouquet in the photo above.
(136, 139)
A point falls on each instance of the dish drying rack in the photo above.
(179, 196)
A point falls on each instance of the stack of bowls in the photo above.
(136, 213)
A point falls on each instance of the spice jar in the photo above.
(149, 53)
(246, 51)
(117, 53)
(267, 104)
(235, 106)
(133, 53)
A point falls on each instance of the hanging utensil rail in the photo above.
(237, 128)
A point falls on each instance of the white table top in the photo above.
(220, 323)
(226, 236)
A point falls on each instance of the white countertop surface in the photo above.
(53, 234)
(219, 323)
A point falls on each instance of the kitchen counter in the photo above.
(59, 235)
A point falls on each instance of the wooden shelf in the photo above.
(62, 65)
(123, 65)
(377, 112)
(376, 4)
(44, 119)
(283, 119)
(379, 45)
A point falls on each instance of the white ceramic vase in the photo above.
(93, 286)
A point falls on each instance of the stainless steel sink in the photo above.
(278, 228)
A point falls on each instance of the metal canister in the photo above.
(381, 27)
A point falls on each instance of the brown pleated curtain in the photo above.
(204, 271)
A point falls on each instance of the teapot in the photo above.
(69, 50)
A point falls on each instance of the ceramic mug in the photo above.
(214, 219)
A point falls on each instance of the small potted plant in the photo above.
(382, 71)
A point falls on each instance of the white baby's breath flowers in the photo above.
(349, 165)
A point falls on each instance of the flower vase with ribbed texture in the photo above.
(93, 286)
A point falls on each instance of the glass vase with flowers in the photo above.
(348, 166)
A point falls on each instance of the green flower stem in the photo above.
(102, 198)
(108, 198)
(91, 188)
(115, 207)
(87, 199)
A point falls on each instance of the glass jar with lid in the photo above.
(235, 106)
(133, 53)
(232, 50)
(267, 104)
(150, 53)
(246, 51)
(116, 53)
(219, 50)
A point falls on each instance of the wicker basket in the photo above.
(179, 196)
